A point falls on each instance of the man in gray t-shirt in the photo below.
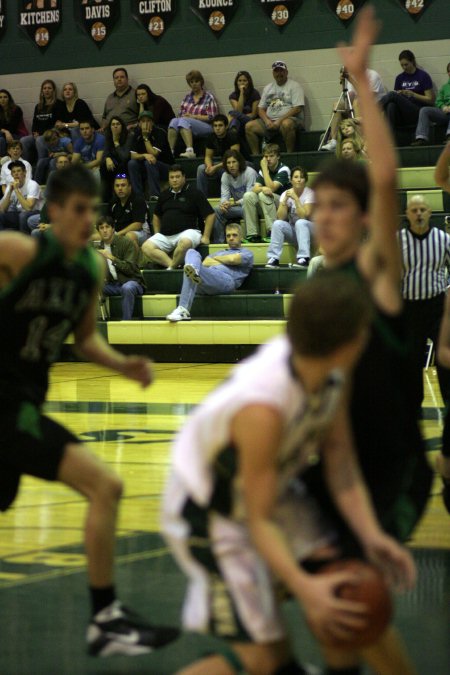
(281, 110)
(221, 272)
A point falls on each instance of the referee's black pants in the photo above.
(423, 322)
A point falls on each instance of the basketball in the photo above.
(372, 590)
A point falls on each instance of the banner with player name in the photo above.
(345, 10)
(280, 11)
(216, 14)
(40, 19)
(97, 17)
(2, 18)
(415, 8)
(154, 15)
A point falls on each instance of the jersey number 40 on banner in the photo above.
(40, 19)
(215, 13)
(154, 15)
(97, 17)
(345, 10)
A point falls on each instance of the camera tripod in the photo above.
(343, 105)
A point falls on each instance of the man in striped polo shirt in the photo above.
(425, 252)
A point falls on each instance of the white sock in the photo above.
(189, 149)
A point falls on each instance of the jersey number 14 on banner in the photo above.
(215, 13)
(98, 17)
(40, 19)
(280, 11)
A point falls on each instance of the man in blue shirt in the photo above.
(220, 273)
(89, 148)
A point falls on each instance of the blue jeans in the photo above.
(128, 291)
(153, 173)
(239, 121)
(16, 220)
(197, 127)
(30, 144)
(298, 234)
(43, 166)
(431, 114)
(203, 180)
(215, 280)
(233, 215)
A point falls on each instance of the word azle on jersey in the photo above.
(41, 18)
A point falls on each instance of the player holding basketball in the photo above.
(49, 289)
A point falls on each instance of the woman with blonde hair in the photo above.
(74, 109)
(196, 112)
(47, 112)
(349, 129)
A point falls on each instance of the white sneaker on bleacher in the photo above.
(188, 155)
(330, 146)
(179, 314)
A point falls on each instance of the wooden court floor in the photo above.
(43, 599)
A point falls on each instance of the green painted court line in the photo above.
(119, 407)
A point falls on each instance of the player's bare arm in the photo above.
(379, 259)
(443, 351)
(16, 252)
(349, 492)
(257, 432)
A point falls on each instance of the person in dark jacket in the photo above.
(116, 153)
(123, 276)
(160, 108)
(46, 113)
(12, 126)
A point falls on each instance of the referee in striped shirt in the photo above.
(425, 253)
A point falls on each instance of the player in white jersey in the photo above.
(234, 518)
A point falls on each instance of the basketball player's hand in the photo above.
(355, 57)
(328, 615)
(393, 559)
(138, 368)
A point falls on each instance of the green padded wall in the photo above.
(250, 31)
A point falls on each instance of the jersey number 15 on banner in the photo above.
(98, 17)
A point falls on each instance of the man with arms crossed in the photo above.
(49, 289)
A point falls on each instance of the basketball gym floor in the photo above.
(43, 599)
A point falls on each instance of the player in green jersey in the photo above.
(49, 289)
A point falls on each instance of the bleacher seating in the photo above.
(227, 328)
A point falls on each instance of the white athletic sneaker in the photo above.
(330, 146)
(179, 314)
(272, 263)
(189, 154)
(192, 273)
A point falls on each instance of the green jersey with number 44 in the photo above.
(38, 310)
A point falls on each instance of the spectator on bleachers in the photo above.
(46, 113)
(123, 276)
(413, 89)
(263, 199)
(280, 110)
(440, 114)
(237, 179)
(179, 215)
(12, 126)
(194, 118)
(14, 150)
(160, 108)
(220, 273)
(73, 110)
(216, 144)
(129, 211)
(56, 145)
(21, 199)
(350, 129)
(150, 157)
(293, 224)
(350, 149)
(122, 102)
(89, 148)
(39, 222)
(116, 153)
(244, 101)
(376, 85)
